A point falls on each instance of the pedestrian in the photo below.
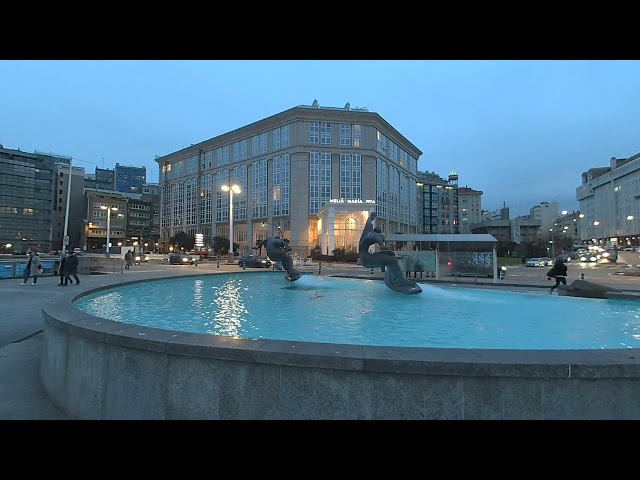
(62, 271)
(33, 268)
(524, 260)
(127, 259)
(71, 268)
(559, 272)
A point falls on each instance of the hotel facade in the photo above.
(310, 174)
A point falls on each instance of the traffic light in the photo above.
(264, 224)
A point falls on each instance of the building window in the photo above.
(314, 133)
(243, 149)
(263, 143)
(236, 151)
(275, 140)
(325, 133)
(285, 137)
(345, 135)
(255, 145)
(356, 135)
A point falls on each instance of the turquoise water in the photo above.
(366, 312)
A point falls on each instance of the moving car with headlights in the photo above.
(140, 258)
(536, 262)
(181, 259)
(254, 262)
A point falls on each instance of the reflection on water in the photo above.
(230, 310)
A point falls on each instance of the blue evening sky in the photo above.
(520, 131)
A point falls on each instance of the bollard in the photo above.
(371, 270)
(218, 262)
(319, 268)
(582, 276)
(244, 265)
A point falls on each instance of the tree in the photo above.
(182, 240)
(220, 245)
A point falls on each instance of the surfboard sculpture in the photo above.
(393, 277)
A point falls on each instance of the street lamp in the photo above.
(104, 207)
(231, 189)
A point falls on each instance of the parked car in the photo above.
(548, 261)
(181, 259)
(564, 257)
(535, 262)
(254, 262)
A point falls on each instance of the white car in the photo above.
(535, 262)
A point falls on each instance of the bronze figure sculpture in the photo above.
(277, 250)
(393, 277)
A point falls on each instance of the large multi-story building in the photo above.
(97, 219)
(547, 213)
(609, 200)
(26, 201)
(568, 227)
(75, 221)
(439, 201)
(499, 224)
(102, 179)
(292, 169)
(470, 207)
(151, 194)
(129, 179)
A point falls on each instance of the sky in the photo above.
(521, 131)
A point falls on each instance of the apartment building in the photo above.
(470, 207)
(288, 168)
(439, 201)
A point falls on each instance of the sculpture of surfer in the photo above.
(277, 250)
(393, 277)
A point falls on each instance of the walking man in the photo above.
(71, 268)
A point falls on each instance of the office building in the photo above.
(26, 201)
(290, 167)
(129, 179)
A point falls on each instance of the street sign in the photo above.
(65, 240)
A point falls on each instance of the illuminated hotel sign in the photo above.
(352, 200)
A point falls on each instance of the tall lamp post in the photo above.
(231, 189)
(65, 239)
(103, 207)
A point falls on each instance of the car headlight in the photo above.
(137, 259)
(583, 259)
(264, 261)
(503, 268)
(185, 259)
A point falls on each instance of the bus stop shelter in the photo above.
(461, 254)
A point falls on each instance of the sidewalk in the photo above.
(22, 395)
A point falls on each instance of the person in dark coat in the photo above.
(71, 268)
(559, 272)
(63, 269)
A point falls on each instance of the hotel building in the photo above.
(310, 173)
